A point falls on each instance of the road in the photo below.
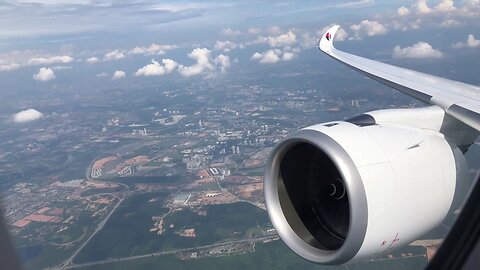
(136, 257)
(68, 264)
(100, 226)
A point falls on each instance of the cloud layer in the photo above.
(27, 116)
(418, 50)
(275, 55)
(288, 38)
(156, 69)
(44, 74)
(118, 74)
(471, 42)
(203, 63)
(114, 55)
(64, 59)
(368, 28)
(210, 55)
(154, 48)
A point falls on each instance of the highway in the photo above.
(68, 264)
(100, 226)
(136, 257)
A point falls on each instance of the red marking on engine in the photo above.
(394, 241)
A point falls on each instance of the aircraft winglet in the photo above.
(459, 100)
(326, 42)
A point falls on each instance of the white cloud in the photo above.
(9, 66)
(471, 42)
(157, 69)
(422, 7)
(50, 60)
(44, 74)
(418, 50)
(288, 38)
(18, 59)
(404, 25)
(257, 56)
(309, 41)
(114, 55)
(154, 48)
(424, 13)
(450, 23)
(254, 31)
(341, 35)
(230, 32)
(27, 116)
(268, 57)
(225, 46)
(403, 11)
(274, 55)
(118, 74)
(368, 28)
(287, 56)
(223, 62)
(445, 6)
(92, 60)
(203, 63)
(169, 65)
(153, 69)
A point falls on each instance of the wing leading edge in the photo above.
(459, 100)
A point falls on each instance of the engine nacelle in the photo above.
(337, 192)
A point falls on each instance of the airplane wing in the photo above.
(459, 100)
(343, 191)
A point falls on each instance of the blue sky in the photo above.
(49, 43)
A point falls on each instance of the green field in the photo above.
(222, 222)
(62, 244)
(127, 232)
(274, 255)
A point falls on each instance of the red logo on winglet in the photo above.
(328, 36)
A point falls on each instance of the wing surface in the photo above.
(459, 100)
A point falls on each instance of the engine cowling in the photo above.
(338, 192)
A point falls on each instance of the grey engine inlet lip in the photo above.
(275, 192)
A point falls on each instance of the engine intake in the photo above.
(338, 192)
(315, 198)
(317, 192)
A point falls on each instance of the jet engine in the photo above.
(345, 190)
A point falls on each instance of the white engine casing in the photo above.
(400, 182)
